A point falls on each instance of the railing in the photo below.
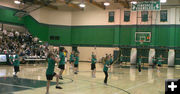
(34, 58)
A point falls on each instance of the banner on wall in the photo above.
(144, 15)
(163, 15)
(171, 57)
(111, 16)
(146, 6)
(127, 16)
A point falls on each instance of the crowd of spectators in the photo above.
(23, 42)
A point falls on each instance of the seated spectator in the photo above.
(4, 32)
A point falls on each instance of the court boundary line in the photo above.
(138, 85)
(21, 86)
(71, 81)
(122, 90)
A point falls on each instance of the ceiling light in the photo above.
(17, 2)
(133, 2)
(82, 5)
(106, 3)
(163, 1)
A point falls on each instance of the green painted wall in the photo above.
(96, 35)
(44, 31)
(36, 29)
(126, 35)
(64, 33)
(177, 36)
(7, 16)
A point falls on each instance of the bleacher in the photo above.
(11, 41)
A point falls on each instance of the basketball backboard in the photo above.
(143, 36)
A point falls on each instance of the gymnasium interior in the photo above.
(142, 37)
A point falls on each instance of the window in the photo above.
(111, 16)
(127, 16)
(163, 15)
(54, 37)
(51, 37)
(144, 16)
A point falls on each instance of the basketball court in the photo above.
(125, 80)
(89, 46)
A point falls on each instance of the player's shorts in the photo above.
(71, 61)
(62, 67)
(93, 66)
(16, 68)
(154, 63)
(75, 65)
(111, 63)
(50, 77)
(139, 68)
(159, 65)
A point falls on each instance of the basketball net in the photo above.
(141, 41)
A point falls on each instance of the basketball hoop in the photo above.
(141, 41)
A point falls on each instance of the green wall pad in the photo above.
(144, 53)
(7, 16)
(126, 52)
(164, 53)
(177, 57)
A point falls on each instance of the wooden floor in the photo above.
(122, 80)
